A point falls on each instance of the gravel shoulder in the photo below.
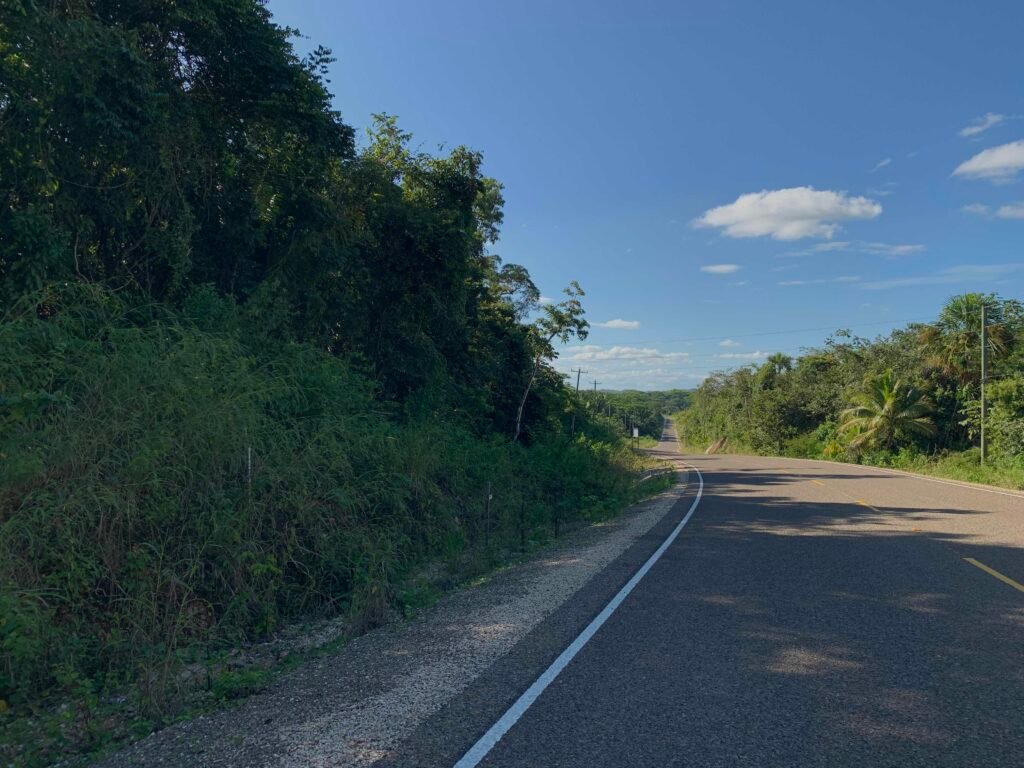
(356, 707)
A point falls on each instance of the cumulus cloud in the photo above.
(983, 123)
(650, 378)
(743, 355)
(619, 324)
(546, 300)
(998, 164)
(596, 353)
(720, 269)
(728, 343)
(968, 273)
(788, 214)
(881, 164)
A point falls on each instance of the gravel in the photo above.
(355, 707)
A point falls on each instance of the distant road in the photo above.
(808, 614)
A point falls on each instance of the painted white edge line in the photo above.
(494, 734)
(891, 472)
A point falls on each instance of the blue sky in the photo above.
(728, 179)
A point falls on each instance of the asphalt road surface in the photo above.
(808, 614)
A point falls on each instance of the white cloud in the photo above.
(1011, 211)
(728, 343)
(546, 300)
(977, 209)
(743, 355)
(621, 325)
(595, 353)
(881, 164)
(982, 123)
(889, 249)
(720, 269)
(969, 273)
(788, 214)
(839, 245)
(1001, 163)
(1008, 211)
(819, 281)
(650, 379)
(883, 249)
(740, 283)
(833, 245)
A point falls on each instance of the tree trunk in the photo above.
(526, 394)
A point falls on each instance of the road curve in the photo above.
(809, 614)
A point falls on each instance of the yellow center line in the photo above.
(990, 571)
(861, 502)
(993, 572)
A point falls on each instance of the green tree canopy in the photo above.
(886, 411)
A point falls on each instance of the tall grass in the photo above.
(165, 489)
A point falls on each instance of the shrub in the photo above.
(165, 489)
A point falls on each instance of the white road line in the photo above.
(890, 472)
(486, 743)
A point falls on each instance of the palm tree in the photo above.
(885, 411)
(953, 340)
(780, 362)
(773, 367)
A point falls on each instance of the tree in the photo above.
(779, 362)
(954, 339)
(887, 410)
(561, 321)
(157, 146)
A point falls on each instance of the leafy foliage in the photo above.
(885, 411)
(251, 372)
(645, 410)
(913, 392)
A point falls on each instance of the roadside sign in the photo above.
(636, 431)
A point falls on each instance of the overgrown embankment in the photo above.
(167, 492)
(251, 369)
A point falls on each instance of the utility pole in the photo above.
(578, 372)
(984, 372)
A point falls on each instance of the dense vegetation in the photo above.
(252, 370)
(645, 410)
(911, 399)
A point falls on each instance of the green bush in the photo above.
(164, 489)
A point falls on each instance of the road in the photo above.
(808, 614)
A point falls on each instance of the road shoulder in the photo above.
(386, 693)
